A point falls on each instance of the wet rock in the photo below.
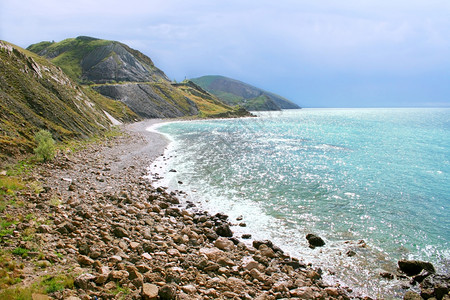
(414, 267)
(266, 251)
(436, 286)
(246, 236)
(224, 230)
(314, 240)
(421, 276)
(351, 253)
(257, 244)
(387, 275)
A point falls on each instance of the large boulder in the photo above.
(314, 240)
(414, 267)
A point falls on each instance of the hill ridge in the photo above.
(233, 91)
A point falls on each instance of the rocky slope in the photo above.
(35, 94)
(89, 225)
(234, 92)
(101, 231)
(123, 74)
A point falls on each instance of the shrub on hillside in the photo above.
(45, 149)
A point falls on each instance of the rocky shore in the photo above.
(98, 221)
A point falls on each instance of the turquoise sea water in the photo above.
(378, 175)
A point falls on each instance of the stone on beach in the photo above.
(314, 240)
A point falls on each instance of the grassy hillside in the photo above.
(91, 60)
(121, 73)
(209, 105)
(35, 94)
(234, 92)
(68, 54)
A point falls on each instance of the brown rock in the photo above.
(168, 292)
(266, 251)
(85, 261)
(189, 289)
(410, 295)
(173, 252)
(265, 296)
(257, 274)
(134, 273)
(149, 291)
(225, 261)
(304, 292)
(387, 275)
(118, 275)
(44, 229)
(314, 240)
(332, 291)
(212, 253)
(83, 281)
(224, 244)
(120, 232)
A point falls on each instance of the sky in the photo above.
(321, 53)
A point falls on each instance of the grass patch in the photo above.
(10, 184)
(120, 289)
(22, 167)
(10, 272)
(17, 294)
(20, 252)
(51, 284)
(47, 285)
(5, 223)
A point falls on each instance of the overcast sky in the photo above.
(321, 53)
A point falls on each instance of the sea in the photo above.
(373, 183)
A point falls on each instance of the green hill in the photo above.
(121, 73)
(35, 94)
(234, 92)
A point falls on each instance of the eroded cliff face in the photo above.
(115, 63)
(35, 94)
(120, 73)
(150, 100)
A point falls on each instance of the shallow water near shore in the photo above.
(377, 175)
